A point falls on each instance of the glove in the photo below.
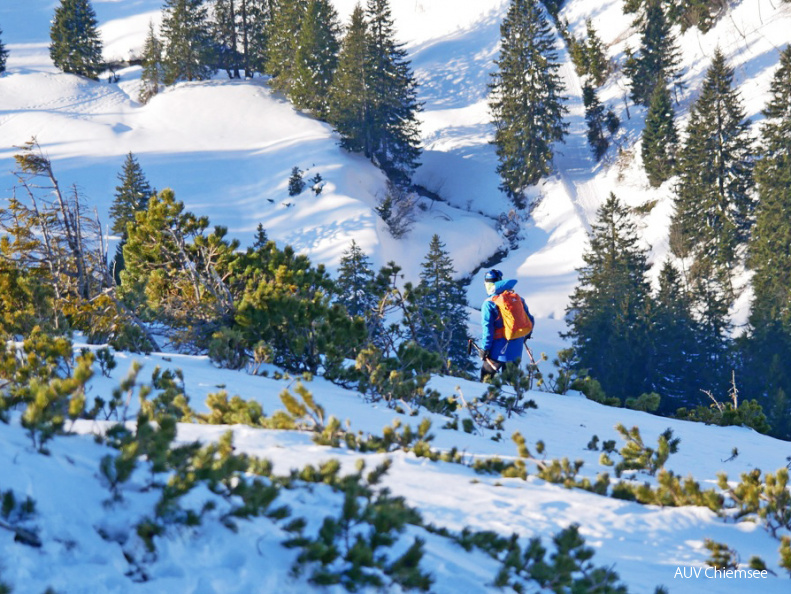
(485, 355)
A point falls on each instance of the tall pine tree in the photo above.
(674, 335)
(769, 344)
(224, 27)
(657, 62)
(283, 42)
(130, 197)
(608, 316)
(714, 203)
(255, 17)
(189, 51)
(526, 102)
(350, 107)
(354, 285)
(595, 118)
(153, 75)
(660, 138)
(316, 57)
(76, 47)
(440, 304)
(394, 138)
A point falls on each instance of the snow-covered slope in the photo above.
(227, 149)
(646, 545)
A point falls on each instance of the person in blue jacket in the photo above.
(497, 351)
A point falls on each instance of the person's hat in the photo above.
(493, 276)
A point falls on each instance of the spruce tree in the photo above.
(674, 334)
(657, 62)
(153, 75)
(769, 343)
(3, 54)
(660, 138)
(526, 102)
(608, 315)
(349, 104)
(76, 47)
(596, 59)
(394, 137)
(255, 18)
(354, 285)
(189, 52)
(440, 305)
(316, 57)
(224, 29)
(130, 197)
(283, 42)
(711, 302)
(714, 203)
(595, 119)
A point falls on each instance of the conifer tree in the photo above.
(131, 196)
(440, 303)
(224, 29)
(189, 52)
(660, 138)
(76, 47)
(350, 106)
(525, 101)
(657, 62)
(3, 54)
(283, 41)
(354, 285)
(711, 302)
(394, 138)
(608, 316)
(714, 203)
(153, 75)
(316, 57)
(769, 344)
(255, 17)
(674, 335)
(595, 118)
(596, 59)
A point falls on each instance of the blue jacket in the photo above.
(499, 349)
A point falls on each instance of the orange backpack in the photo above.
(516, 322)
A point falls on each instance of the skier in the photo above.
(506, 323)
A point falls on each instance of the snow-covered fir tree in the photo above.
(282, 42)
(354, 285)
(188, 45)
(657, 61)
(769, 342)
(660, 138)
(440, 304)
(714, 199)
(76, 47)
(349, 104)
(224, 28)
(393, 139)
(526, 102)
(316, 57)
(608, 315)
(152, 76)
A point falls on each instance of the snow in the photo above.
(227, 149)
